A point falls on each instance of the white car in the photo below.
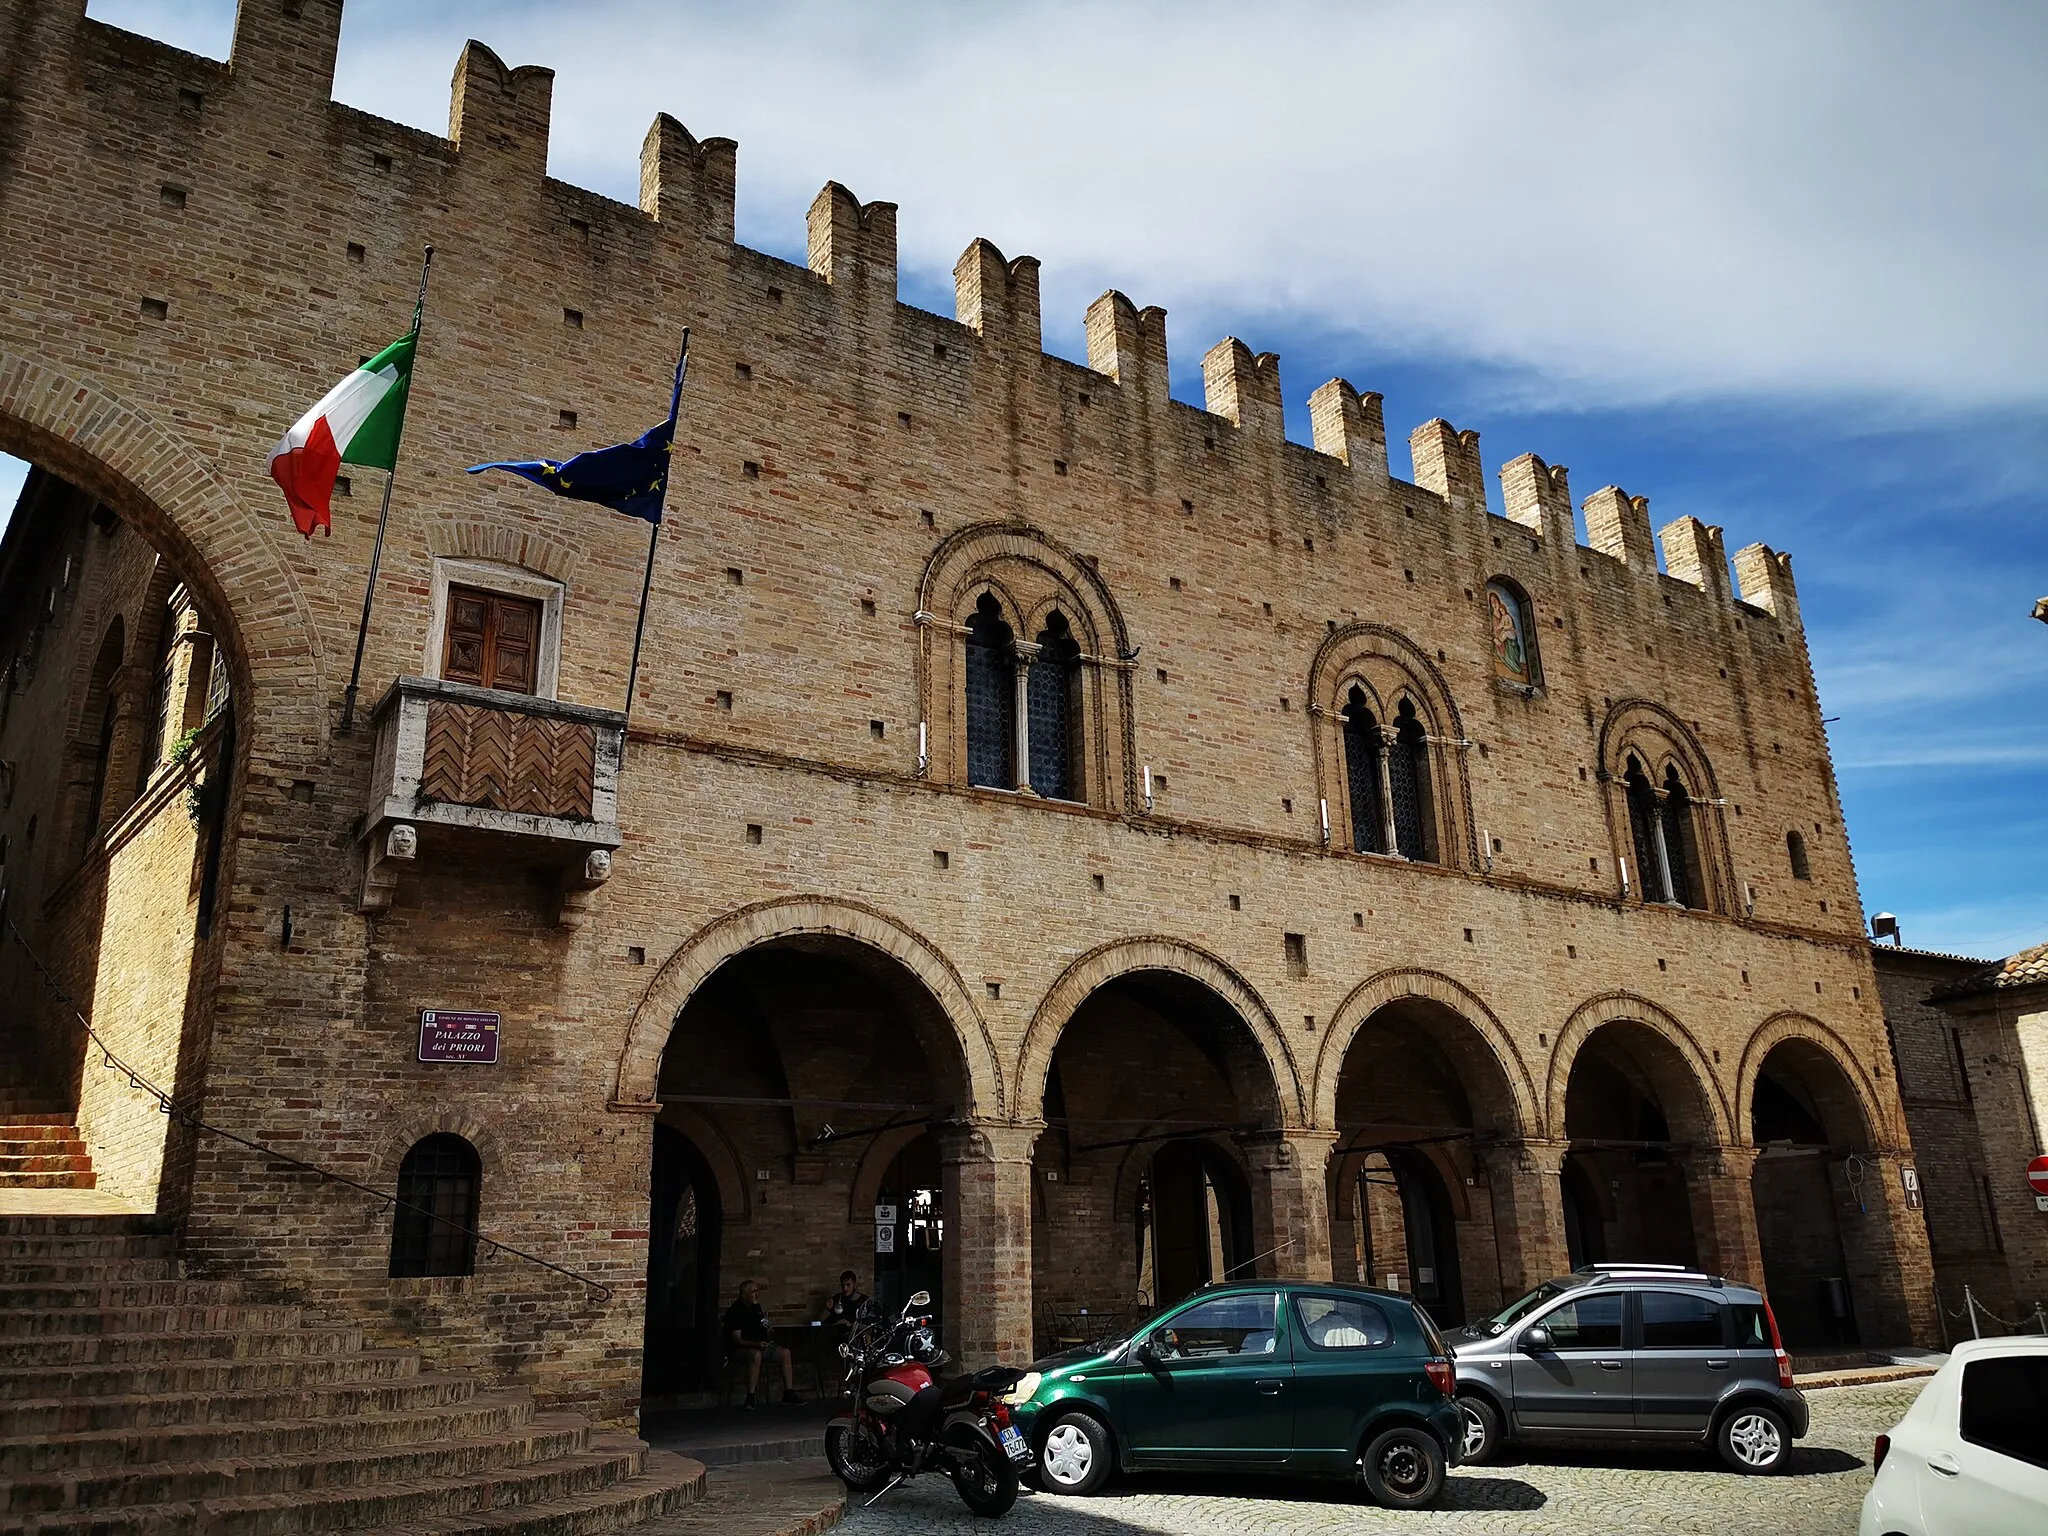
(1970, 1458)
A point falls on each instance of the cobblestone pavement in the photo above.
(1553, 1493)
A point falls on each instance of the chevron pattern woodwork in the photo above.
(502, 760)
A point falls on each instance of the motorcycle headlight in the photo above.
(1026, 1385)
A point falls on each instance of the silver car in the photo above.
(1631, 1352)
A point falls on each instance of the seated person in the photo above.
(748, 1336)
(843, 1305)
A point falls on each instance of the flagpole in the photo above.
(355, 675)
(675, 401)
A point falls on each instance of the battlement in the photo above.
(282, 62)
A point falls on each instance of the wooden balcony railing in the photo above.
(456, 765)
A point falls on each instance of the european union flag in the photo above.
(631, 477)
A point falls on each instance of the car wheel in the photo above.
(1482, 1430)
(1075, 1455)
(1754, 1439)
(1404, 1468)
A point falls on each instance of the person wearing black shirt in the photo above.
(844, 1304)
(748, 1336)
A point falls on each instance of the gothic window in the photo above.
(991, 697)
(433, 1227)
(1053, 712)
(1642, 824)
(1681, 846)
(1514, 635)
(1408, 787)
(1362, 744)
(1795, 851)
(158, 720)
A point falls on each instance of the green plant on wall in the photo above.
(197, 793)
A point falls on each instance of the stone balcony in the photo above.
(524, 781)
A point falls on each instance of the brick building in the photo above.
(1128, 845)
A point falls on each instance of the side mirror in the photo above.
(918, 1300)
(1535, 1339)
(1144, 1353)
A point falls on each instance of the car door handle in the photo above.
(1268, 1387)
(1945, 1464)
(1717, 1365)
(1610, 1365)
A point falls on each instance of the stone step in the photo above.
(206, 1376)
(503, 1412)
(141, 1348)
(119, 1295)
(48, 1157)
(70, 1180)
(11, 1119)
(259, 1318)
(24, 1132)
(609, 1462)
(68, 1416)
(71, 1271)
(667, 1485)
(544, 1438)
(85, 1248)
(53, 1226)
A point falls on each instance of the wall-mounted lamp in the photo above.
(1148, 789)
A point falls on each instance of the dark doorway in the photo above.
(1585, 1228)
(914, 1186)
(684, 1226)
(1200, 1213)
(1798, 1209)
(1432, 1235)
(1627, 1087)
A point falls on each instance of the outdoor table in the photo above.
(811, 1344)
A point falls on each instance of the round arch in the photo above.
(718, 941)
(1622, 1007)
(1123, 957)
(99, 442)
(1859, 1100)
(1395, 986)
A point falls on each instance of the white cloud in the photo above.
(1633, 201)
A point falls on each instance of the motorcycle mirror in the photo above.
(918, 1299)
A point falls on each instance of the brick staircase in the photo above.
(42, 1151)
(136, 1403)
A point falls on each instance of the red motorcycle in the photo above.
(903, 1422)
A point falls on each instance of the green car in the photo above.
(1255, 1376)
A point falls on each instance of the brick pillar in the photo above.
(1884, 1247)
(988, 1240)
(1523, 1182)
(1717, 1182)
(1291, 1203)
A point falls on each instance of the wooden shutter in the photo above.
(493, 641)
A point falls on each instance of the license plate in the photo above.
(1013, 1444)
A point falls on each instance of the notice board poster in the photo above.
(461, 1035)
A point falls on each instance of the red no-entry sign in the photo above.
(2037, 1175)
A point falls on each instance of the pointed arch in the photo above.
(791, 917)
(1512, 1091)
(1646, 751)
(1626, 1008)
(1861, 1102)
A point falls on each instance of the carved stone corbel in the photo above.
(579, 887)
(382, 859)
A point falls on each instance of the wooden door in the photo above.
(493, 641)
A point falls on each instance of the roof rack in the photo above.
(1600, 1269)
(1596, 1275)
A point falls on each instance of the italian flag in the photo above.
(356, 422)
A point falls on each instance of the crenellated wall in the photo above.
(191, 253)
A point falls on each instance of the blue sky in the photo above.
(1776, 266)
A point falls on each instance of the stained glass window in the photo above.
(1514, 640)
(1362, 770)
(991, 697)
(1408, 779)
(1052, 710)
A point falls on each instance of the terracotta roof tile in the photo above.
(2028, 968)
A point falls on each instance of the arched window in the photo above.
(1643, 833)
(1514, 635)
(991, 697)
(433, 1228)
(1362, 753)
(1795, 851)
(1409, 788)
(1681, 845)
(157, 720)
(1053, 712)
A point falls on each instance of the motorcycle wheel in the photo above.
(855, 1458)
(985, 1478)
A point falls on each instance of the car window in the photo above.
(2005, 1407)
(1228, 1325)
(1591, 1322)
(1522, 1306)
(1672, 1320)
(1751, 1331)
(1330, 1322)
